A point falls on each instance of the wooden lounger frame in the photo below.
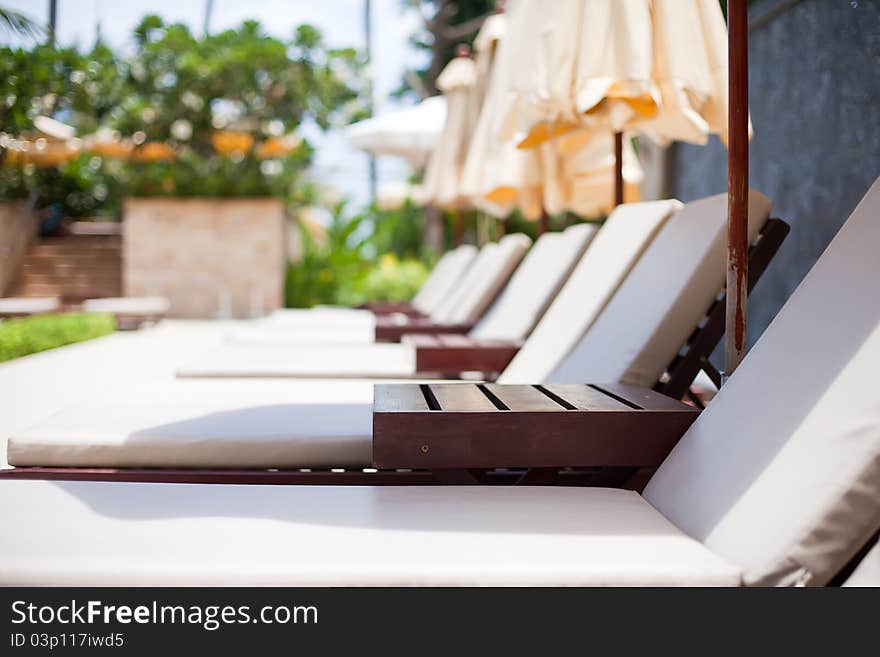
(388, 329)
(380, 308)
(675, 383)
(450, 355)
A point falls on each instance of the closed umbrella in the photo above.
(659, 66)
(442, 184)
(656, 66)
(555, 177)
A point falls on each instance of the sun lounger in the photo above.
(867, 570)
(95, 436)
(603, 266)
(461, 306)
(694, 237)
(130, 312)
(26, 306)
(756, 493)
(448, 270)
(496, 337)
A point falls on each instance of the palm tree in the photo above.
(17, 23)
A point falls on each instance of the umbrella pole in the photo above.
(458, 228)
(737, 184)
(543, 222)
(618, 168)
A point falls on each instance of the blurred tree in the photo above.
(239, 80)
(445, 23)
(20, 24)
(227, 103)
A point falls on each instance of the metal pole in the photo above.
(368, 42)
(737, 184)
(618, 168)
(53, 21)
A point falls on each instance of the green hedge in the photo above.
(20, 337)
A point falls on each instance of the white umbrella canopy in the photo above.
(442, 183)
(657, 66)
(575, 176)
(411, 133)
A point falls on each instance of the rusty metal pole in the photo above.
(618, 168)
(737, 184)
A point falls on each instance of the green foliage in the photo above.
(399, 231)
(328, 269)
(449, 24)
(20, 337)
(375, 255)
(179, 89)
(237, 79)
(391, 279)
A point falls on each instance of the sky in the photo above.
(341, 21)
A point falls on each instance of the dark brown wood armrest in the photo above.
(464, 425)
(390, 308)
(393, 328)
(460, 353)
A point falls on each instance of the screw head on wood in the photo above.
(424, 449)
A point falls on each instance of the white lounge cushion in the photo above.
(867, 573)
(330, 333)
(510, 318)
(662, 300)
(115, 534)
(611, 255)
(344, 360)
(320, 317)
(29, 305)
(781, 474)
(148, 306)
(482, 283)
(207, 424)
(534, 284)
(444, 278)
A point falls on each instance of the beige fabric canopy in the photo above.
(659, 66)
(499, 177)
(442, 185)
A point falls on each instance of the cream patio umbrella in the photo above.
(659, 66)
(656, 66)
(499, 177)
(411, 133)
(442, 184)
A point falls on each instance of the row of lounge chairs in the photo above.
(776, 483)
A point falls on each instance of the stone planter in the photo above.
(210, 257)
(18, 229)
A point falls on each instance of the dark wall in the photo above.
(814, 77)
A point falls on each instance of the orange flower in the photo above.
(154, 151)
(228, 142)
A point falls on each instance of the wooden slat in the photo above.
(585, 398)
(523, 398)
(398, 397)
(461, 397)
(643, 397)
